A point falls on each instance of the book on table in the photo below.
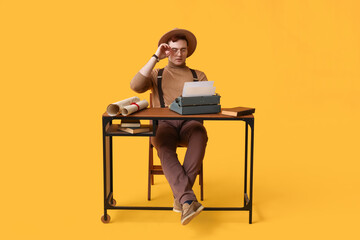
(133, 130)
(237, 111)
(133, 123)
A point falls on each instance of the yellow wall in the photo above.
(296, 62)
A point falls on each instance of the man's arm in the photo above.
(142, 81)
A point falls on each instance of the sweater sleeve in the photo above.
(201, 75)
(141, 84)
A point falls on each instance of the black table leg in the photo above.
(251, 168)
(245, 168)
(107, 162)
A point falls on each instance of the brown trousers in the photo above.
(170, 134)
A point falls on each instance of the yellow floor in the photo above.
(295, 196)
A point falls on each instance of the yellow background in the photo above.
(296, 62)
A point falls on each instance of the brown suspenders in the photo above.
(159, 80)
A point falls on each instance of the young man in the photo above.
(166, 85)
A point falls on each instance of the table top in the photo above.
(167, 114)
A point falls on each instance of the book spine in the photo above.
(248, 112)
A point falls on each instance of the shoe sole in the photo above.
(190, 217)
(176, 210)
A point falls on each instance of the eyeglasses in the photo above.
(182, 50)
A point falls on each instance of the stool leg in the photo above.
(149, 188)
(201, 182)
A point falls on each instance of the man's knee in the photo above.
(199, 132)
(194, 134)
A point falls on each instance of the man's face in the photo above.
(178, 52)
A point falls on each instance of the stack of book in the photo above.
(133, 126)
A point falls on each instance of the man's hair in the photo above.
(177, 37)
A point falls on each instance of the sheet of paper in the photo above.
(199, 84)
(194, 89)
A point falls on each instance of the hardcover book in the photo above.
(237, 111)
(130, 123)
(145, 128)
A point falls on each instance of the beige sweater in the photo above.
(173, 80)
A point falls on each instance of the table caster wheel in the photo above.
(107, 219)
(113, 203)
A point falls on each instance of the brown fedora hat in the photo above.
(189, 36)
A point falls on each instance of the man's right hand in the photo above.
(163, 51)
